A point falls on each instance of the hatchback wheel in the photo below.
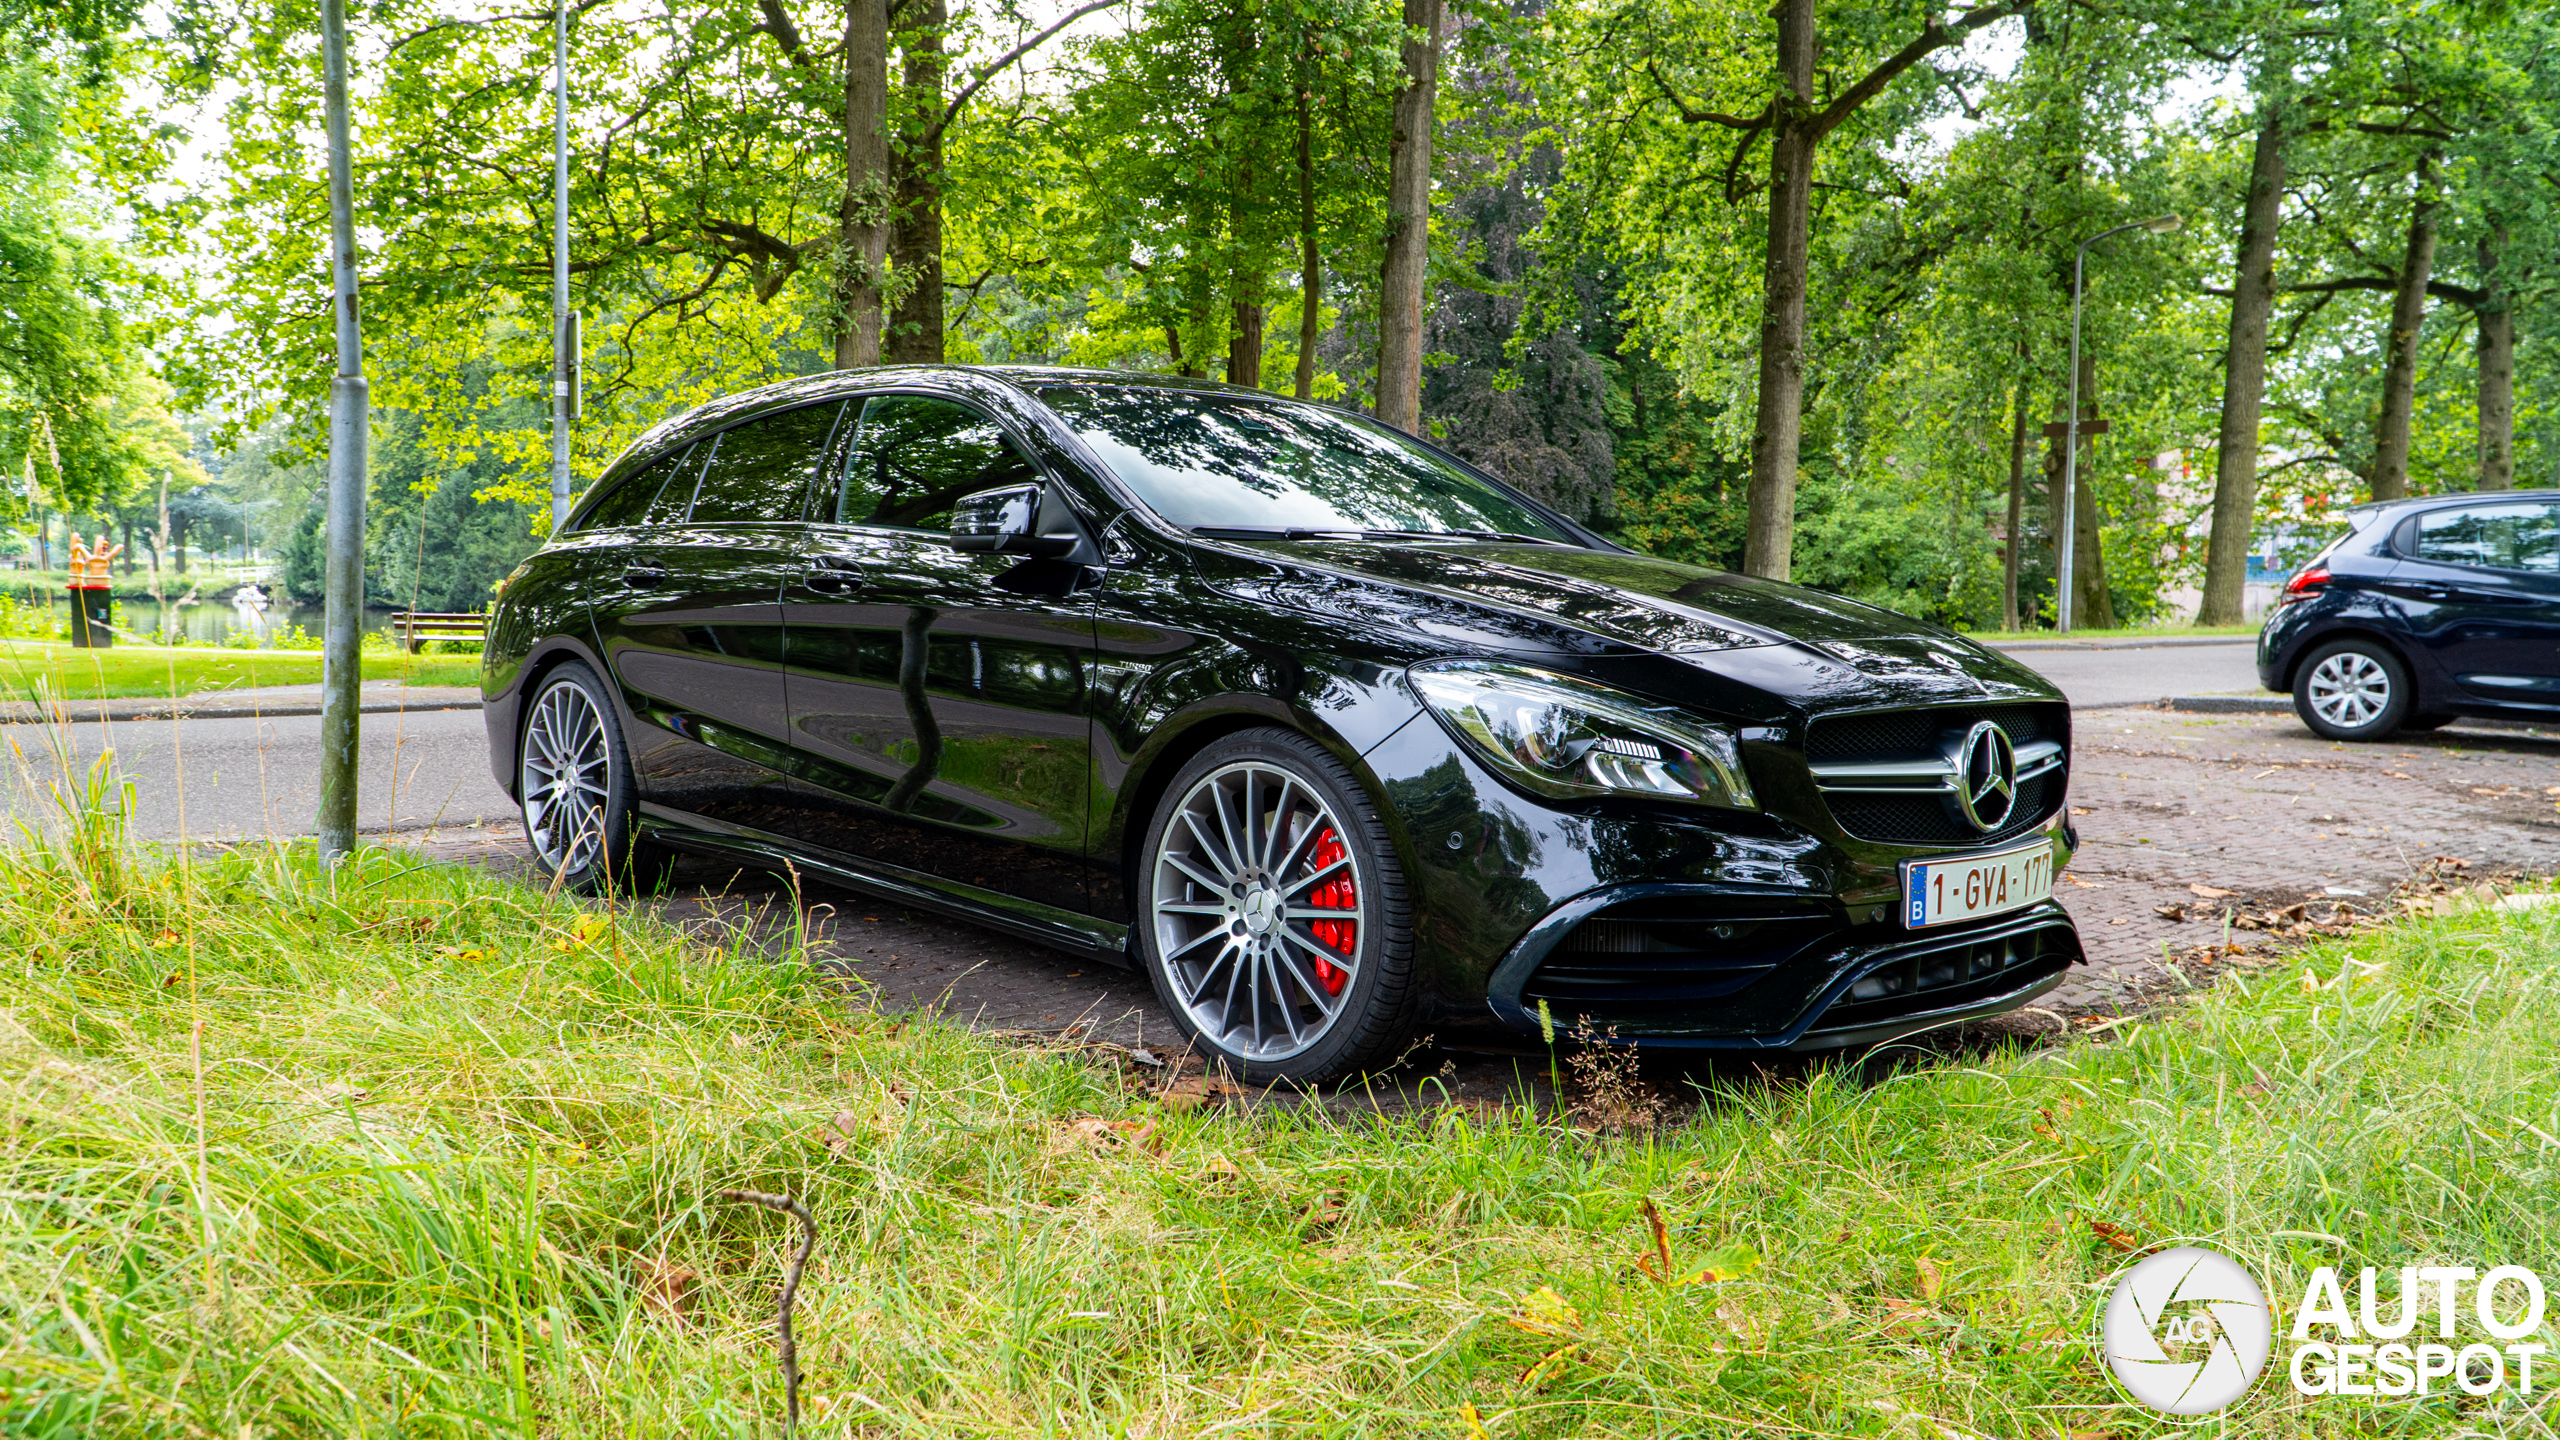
(2352, 690)
(1276, 924)
(573, 777)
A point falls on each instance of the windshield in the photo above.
(1229, 462)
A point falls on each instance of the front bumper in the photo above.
(1685, 966)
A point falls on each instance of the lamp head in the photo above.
(2163, 224)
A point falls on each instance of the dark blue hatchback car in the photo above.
(2424, 610)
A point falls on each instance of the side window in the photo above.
(914, 456)
(636, 501)
(2496, 537)
(760, 471)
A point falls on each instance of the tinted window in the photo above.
(914, 456)
(1226, 461)
(2498, 537)
(635, 500)
(760, 470)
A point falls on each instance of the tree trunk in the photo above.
(1400, 281)
(2017, 508)
(1244, 345)
(2497, 382)
(127, 523)
(915, 332)
(862, 231)
(2091, 607)
(2408, 313)
(2244, 377)
(44, 540)
(1778, 428)
(1310, 269)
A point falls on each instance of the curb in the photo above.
(74, 712)
(2229, 704)
(2165, 642)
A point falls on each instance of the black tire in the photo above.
(573, 779)
(1314, 847)
(2353, 690)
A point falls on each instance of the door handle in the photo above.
(833, 575)
(645, 576)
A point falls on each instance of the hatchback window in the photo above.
(760, 470)
(1216, 461)
(914, 456)
(2496, 537)
(640, 499)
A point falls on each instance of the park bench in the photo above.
(412, 629)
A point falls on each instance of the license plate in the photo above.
(1940, 892)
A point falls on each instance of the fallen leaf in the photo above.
(1219, 1168)
(1193, 1092)
(1544, 1312)
(2114, 1235)
(1899, 1312)
(2078, 810)
(667, 1288)
(839, 1133)
(1141, 1055)
(1932, 1280)
(2174, 913)
(2211, 892)
(1108, 1136)
(1474, 1422)
(1546, 1368)
(2253, 1089)
(2083, 884)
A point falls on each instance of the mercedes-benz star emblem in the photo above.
(1987, 777)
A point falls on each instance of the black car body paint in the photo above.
(989, 735)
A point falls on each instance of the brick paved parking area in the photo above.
(2258, 806)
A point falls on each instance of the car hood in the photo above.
(1569, 600)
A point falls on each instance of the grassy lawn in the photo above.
(2133, 632)
(156, 672)
(422, 1152)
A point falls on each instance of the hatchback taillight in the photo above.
(2305, 585)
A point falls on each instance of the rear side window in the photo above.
(760, 471)
(638, 499)
(2511, 536)
(915, 455)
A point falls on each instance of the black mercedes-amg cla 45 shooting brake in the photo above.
(1341, 740)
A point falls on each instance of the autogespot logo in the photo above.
(2186, 1331)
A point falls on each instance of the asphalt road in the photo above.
(2117, 674)
(260, 777)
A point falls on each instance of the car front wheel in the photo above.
(2352, 690)
(1276, 924)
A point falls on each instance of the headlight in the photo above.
(1560, 736)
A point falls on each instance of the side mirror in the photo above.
(1009, 520)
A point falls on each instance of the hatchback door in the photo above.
(938, 697)
(692, 623)
(2480, 585)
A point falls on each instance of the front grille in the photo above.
(1923, 819)
(1926, 817)
(1909, 734)
(1951, 970)
(1636, 958)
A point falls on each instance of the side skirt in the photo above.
(1062, 929)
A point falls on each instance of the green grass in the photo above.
(2132, 632)
(441, 1139)
(149, 671)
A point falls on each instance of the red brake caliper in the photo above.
(1338, 893)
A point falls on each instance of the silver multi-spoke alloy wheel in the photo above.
(1259, 910)
(2349, 689)
(567, 778)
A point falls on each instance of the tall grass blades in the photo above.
(454, 1168)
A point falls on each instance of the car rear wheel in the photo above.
(2352, 690)
(1276, 924)
(573, 777)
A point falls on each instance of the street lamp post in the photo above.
(2157, 225)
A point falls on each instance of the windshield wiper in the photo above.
(1464, 535)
